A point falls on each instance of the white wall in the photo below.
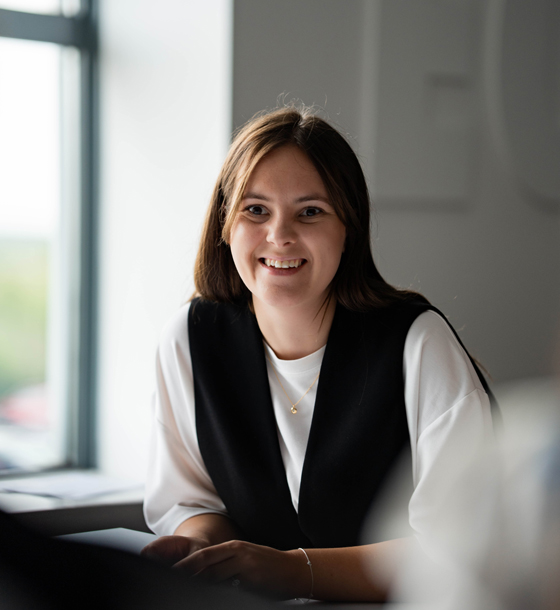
(165, 127)
(419, 86)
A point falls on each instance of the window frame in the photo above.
(80, 31)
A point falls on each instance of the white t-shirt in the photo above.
(448, 414)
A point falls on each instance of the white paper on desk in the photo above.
(68, 485)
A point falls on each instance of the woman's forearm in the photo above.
(361, 573)
(194, 534)
(210, 527)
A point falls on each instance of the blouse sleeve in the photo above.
(448, 414)
(178, 485)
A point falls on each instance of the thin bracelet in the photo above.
(311, 570)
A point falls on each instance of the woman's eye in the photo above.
(256, 210)
(310, 212)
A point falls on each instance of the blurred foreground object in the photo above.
(495, 544)
(41, 573)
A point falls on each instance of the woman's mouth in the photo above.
(293, 263)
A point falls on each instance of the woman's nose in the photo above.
(281, 231)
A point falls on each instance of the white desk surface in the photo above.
(26, 503)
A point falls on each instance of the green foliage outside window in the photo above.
(23, 310)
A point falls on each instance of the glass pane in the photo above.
(48, 7)
(33, 374)
(44, 7)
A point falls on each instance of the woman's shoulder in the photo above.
(432, 329)
(200, 311)
(176, 329)
(394, 319)
(432, 342)
(200, 318)
(427, 336)
(431, 322)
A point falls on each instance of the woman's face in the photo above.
(287, 240)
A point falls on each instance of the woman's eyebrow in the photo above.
(251, 195)
(312, 197)
(303, 199)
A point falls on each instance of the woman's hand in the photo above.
(192, 535)
(171, 549)
(261, 569)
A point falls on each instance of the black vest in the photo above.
(358, 432)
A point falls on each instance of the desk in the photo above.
(55, 517)
(99, 521)
(133, 542)
(119, 538)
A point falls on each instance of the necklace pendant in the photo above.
(293, 409)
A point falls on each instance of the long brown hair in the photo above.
(357, 284)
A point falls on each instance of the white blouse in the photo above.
(448, 414)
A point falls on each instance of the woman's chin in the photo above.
(288, 300)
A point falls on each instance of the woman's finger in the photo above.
(223, 571)
(210, 556)
(169, 549)
(256, 568)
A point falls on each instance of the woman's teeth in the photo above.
(270, 262)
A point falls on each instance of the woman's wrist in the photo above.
(300, 576)
(208, 529)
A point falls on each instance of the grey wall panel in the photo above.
(527, 78)
(424, 148)
(410, 80)
(297, 49)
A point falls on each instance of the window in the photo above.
(47, 229)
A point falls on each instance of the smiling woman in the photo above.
(296, 380)
(286, 244)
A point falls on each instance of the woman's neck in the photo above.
(295, 332)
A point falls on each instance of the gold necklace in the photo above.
(294, 405)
